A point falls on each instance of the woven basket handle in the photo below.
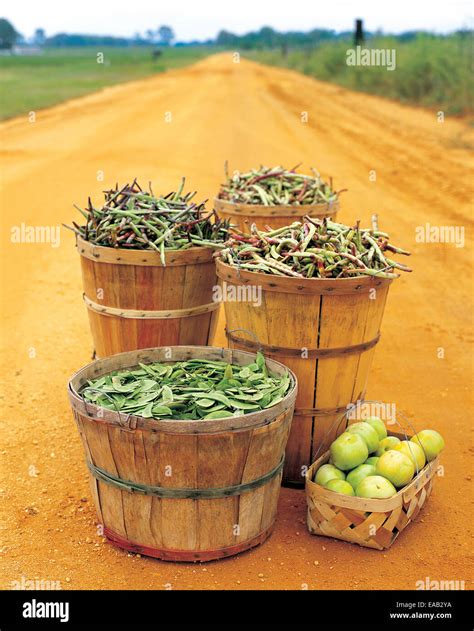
(415, 433)
(335, 426)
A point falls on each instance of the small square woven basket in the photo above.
(372, 523)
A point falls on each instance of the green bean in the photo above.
(375, 245)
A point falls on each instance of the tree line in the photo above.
(9, 37)
(264, 38)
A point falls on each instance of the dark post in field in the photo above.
(359, 33)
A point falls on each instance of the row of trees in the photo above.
(75, 39)
(9, 36)
(266, 37)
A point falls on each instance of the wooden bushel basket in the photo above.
(134, 302)
(183, 490)
(325, 331)
(242, 216)
(371, 523)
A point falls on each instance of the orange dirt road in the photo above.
(248, 114)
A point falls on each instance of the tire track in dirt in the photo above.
(249, 114)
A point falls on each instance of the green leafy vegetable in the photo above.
(189, 390)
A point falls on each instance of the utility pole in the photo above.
(359, 33)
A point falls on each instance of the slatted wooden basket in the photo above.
(134, 301)
(183, 490)
(371, 523)
(323, 329)
(242, 216)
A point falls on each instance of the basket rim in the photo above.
(109, 254)
(289, 284)
(283, 210)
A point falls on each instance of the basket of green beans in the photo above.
(276, 186)
(315, 249)
(274, 196)
(136, 219)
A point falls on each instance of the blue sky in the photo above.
(201, 19)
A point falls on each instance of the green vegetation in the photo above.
(267, 37)
(32, 82)
(8, 34)
(189, 390)
(135, 219)
(433, 71)
(315, 248)
(277, 185)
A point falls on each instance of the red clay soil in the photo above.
(249, 114)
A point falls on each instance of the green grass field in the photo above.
(29, 83)
(430, 71)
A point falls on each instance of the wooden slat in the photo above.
(93, 483)
(364, 530)
(314, 512)
(284, 211)
(156, 472)
(126, 281)
(343, 320)
(421, 480)
(264, 452)
(270, 502)
(179, 517)
(355, 517)
(217, 519)
(340, 521)
(412, 509)
(403, 521)
(375, 310)
(384, 537)
(197, 290)
(111, 505)
(393, 518)
(326, 510)
(131, 463)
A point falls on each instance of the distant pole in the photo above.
(359, 33)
